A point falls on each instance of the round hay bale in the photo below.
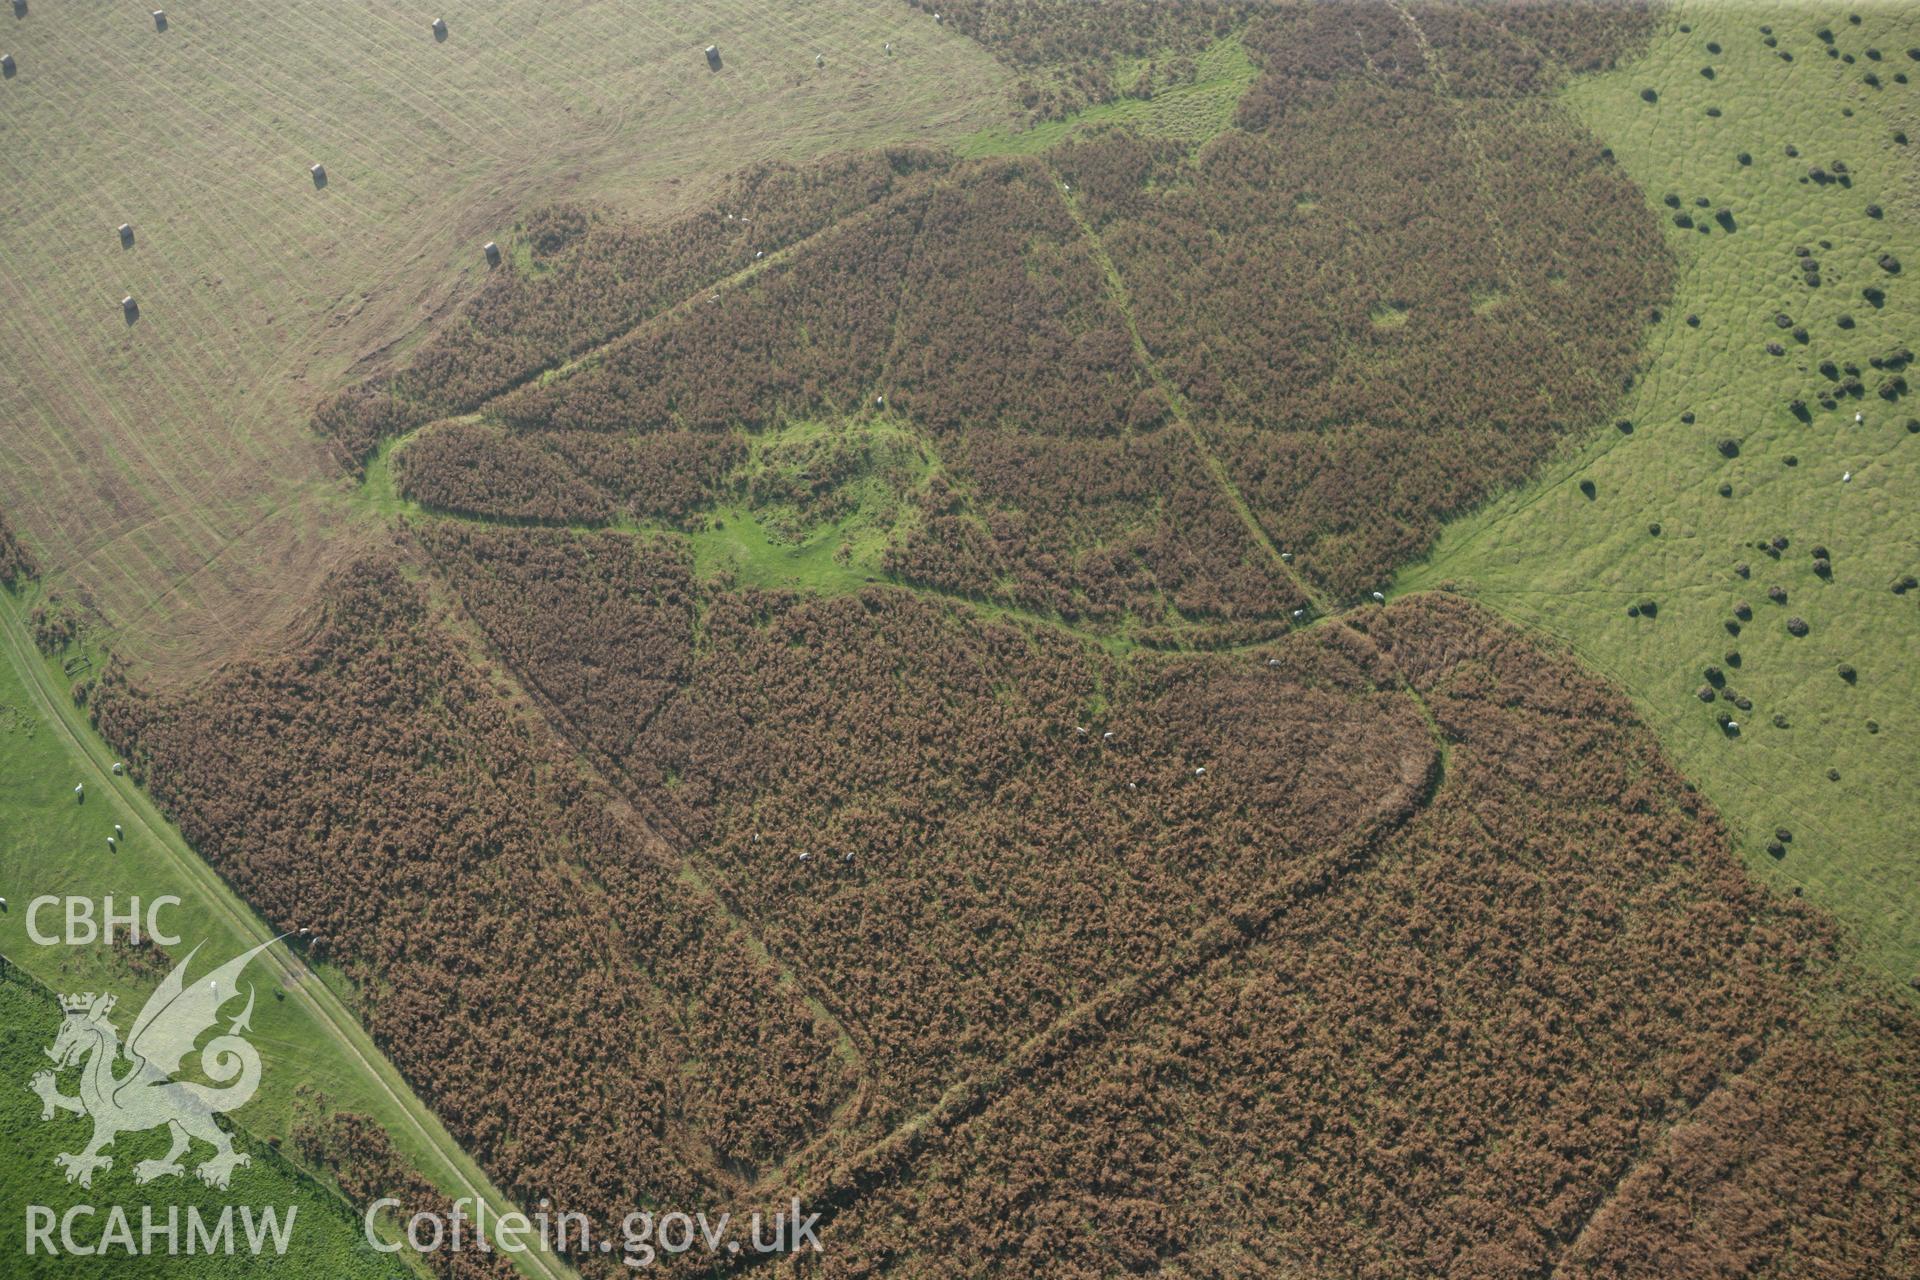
(1797, 627)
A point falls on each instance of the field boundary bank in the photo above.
(1112, 1011)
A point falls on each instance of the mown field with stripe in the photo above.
(164, 470)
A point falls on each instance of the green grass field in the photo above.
(325, 1237)
(165, 471)
(1555, 559)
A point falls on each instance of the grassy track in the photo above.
(166, 469)
(1555, 559)
(307, 1036)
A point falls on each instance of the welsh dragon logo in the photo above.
(145, 1095)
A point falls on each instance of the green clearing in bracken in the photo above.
(1192, 112)
(1554, 558)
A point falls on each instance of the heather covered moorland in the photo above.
(1030, 689)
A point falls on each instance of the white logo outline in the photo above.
(147, 1096)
